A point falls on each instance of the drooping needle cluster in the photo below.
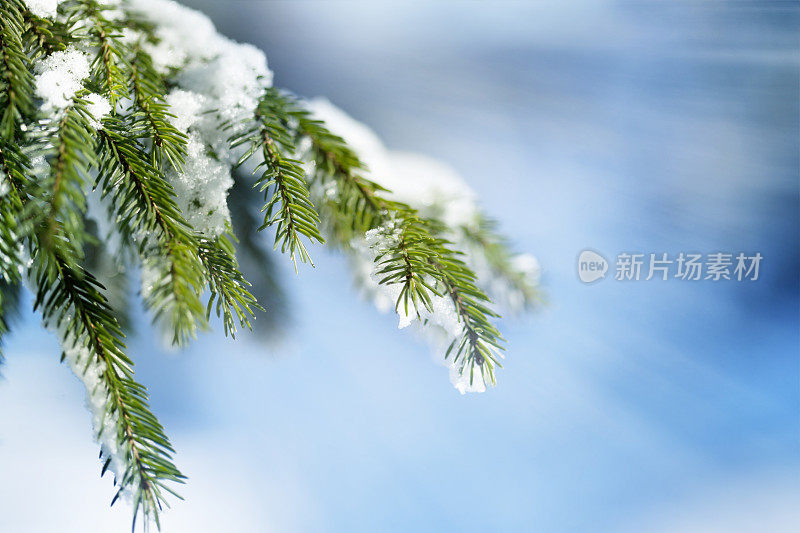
(134, 137)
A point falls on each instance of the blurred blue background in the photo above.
(643, 406)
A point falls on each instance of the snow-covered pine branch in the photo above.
(171, 122)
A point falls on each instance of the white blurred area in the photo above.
(663, 407)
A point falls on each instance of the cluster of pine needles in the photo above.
(49, 244)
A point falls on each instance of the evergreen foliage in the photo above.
(87, 103)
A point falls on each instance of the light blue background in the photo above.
(622, 406)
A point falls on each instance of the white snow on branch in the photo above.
(379, 240)
(43, 8)
(187, 107)
(219, 83)
(98, 107)
(59, 77)
(231, 75)
(435, 190)
(441, 322)
(183, 34)
(429, 185)
(201, 187)
(91, 370)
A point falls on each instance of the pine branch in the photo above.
(146, 210)
(12, 222)
(426, 267)
(71, 300)
(357, 204)
(229, 288)
(257, 260)
(70, 145)
(288, 203)
(10, 238)
(46, 162)
(424, 264)
(16, 82)
(480, 344)
(12, 164)
(405, 261)
(417, 259)
(42, 36)
(9, 309)
(10, 257)
(110, 70)
(151, 113)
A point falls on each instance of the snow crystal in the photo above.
(235, 79)
(58, 78)
(384, 296)
(201, 187)
(98, 107)
(232, 83)
(220, 83)
(43, 8)
(186, 106)
(231, 74)
(182, 33)
(39, 167)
